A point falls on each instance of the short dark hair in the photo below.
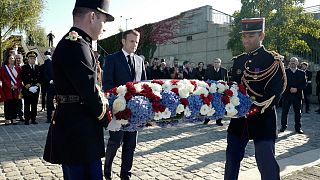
(200, 63)
(185, 62)
(131, 31)
(81, 11)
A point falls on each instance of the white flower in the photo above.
(122, 121)
(155, 87)
(138, 87)
(231, 110)
(204, 109)
(157, 116)
(122, 90)
(202, 84)
(211, 112)
(213, 88)
(183, 92)
(201, 90)
(235, 100)
(119, 104)
(221, 87)
(190, 87)
(179, 85)
(166, 114)
(180, 109)
(187, 112)
(167, 86)
(234, 90)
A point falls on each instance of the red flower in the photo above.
(125, 114)
(130, 88)
(184, 101)
(157, 82)
(113, 91)
(174, 81)
(175, 90)
(157, 107)
(128, 96)
(193, 83)
(225, 100)
(206, 100)
(210, 97)
(228, 92)
(242, 89)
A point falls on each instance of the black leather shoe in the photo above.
(299, 131)
(219, 124)
(282, 129)
(206, 121)
(26, 122)
(34, 122)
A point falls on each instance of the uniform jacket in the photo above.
(308, 89)
(260, 125)
(295, 80)
(8, 93)
(211, 74)
(116, 70)
(318, 82)
(76, 134)
(30, 78)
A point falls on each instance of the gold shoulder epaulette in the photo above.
(277, 56)
(235, 57)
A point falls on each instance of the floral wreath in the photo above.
(73, 36)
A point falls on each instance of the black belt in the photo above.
(68, 99)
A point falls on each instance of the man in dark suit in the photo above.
(122, 67)
(308, 90)
(75, 138)
(318, 89)
(31, 79)
(48, 81)
(216, 72)
(293, 95)
(265, 90)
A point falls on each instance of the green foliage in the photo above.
(288, 28)
(18, 15)
(39, 36)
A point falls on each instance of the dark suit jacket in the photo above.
(116, 70)
(318, 83)
(308, 89)
(211, 74)
(295, 80)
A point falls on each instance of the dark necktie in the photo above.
(131, 66)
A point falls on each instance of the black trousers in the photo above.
(50, 105)
(129, 142)
(10, 109)
(30, 100)
(306, 98)
(20, 108)
(296, 101)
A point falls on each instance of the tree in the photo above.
(18, 15)
(287, 25)
(39, 36)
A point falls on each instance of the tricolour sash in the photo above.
(9, 72)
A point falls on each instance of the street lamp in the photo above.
(126, 21)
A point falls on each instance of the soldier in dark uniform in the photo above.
(75, 137)
(31, 79)
(262, 73)
(308, 90)
(293, 95)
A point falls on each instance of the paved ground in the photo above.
(189, 151)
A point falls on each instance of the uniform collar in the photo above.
(83, 34)
(256, 51)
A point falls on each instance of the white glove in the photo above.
(33, 89)
(0, 83)
(51, 81)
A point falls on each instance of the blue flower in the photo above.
(141, 109)
(171, 101)
(244, 106)
(111, 99)
(218, 105)
(195, 103)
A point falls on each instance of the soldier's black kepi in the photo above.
(100, 5)
(252, 25)
(31, 54)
